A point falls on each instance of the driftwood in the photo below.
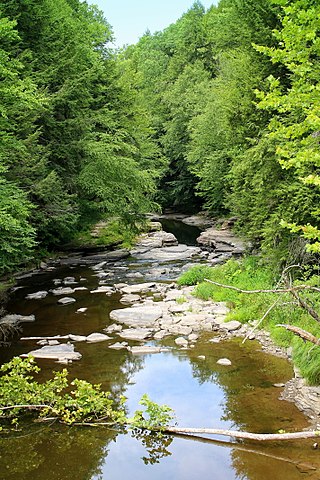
(301, 333)
(260, 437)
(55, 337)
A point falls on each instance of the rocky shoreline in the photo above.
(154, 310)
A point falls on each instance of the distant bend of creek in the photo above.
(202, 393)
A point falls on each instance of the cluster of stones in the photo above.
(160, 310)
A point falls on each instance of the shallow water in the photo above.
(202, 393)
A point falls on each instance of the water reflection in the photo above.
(201, 392)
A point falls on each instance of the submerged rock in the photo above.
(66, 300)
(12, 319)
(118, 345)
(145, 350)
(37, 295)
(224, 361)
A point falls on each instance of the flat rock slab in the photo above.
(118, 345)
(221, 241)
(139, 334)
(142, 316)
(63, 291)
(167, 254)
(138, 288)
(66, 300)
(55, 352)
(13, 318)
(97, 337)
(107, 290)
(37, 295)
(130, 299)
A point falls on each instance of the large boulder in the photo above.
(221, 241)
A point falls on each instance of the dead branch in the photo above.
(261, 320)
(55, 337)
(301, 333)
(260, 437)
(305, 305)
(275, 290)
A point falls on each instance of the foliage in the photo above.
(154, 417)
(194, 275)
(113, 233)
(16, 233)
(72, 138)
(295, 106)
(69, 402)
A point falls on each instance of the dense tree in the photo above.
(71, 137)
(220, 109)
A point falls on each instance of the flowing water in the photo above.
(202, 393)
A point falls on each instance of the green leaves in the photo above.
(296, 118)
(155, 416)
(74, 402)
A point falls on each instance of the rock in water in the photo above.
(66, 300)
(97, 337)
(224, 361)
(37, 295)
(60, 352)
(143, 316)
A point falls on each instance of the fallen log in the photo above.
(301, 333)
(55, 337)
(260, 437)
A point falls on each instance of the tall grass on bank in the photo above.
(250, 274)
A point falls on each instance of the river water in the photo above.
(202, 393)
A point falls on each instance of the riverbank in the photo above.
(177, 313)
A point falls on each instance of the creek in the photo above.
(202, 393)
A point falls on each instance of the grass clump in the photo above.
(251, 274)
(194, 275)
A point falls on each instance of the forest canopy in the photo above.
(221, 111)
